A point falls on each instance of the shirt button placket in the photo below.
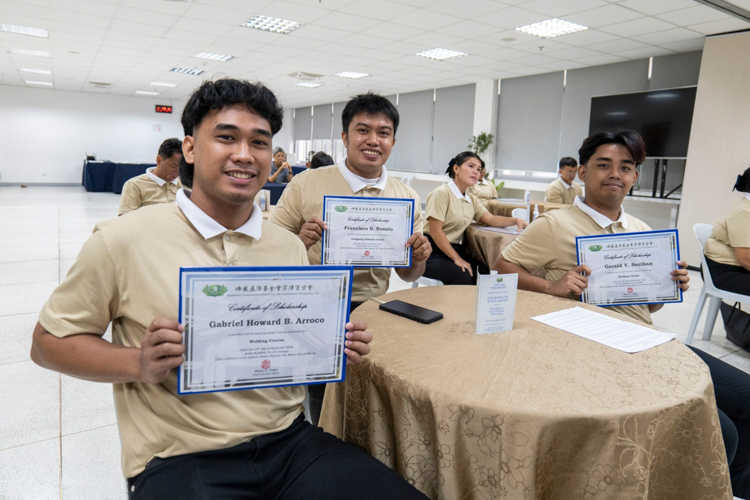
(231, 249)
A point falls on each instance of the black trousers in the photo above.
(730, 278)
(441, 267)
(301, 462)
(732, 390)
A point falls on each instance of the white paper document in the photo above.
(504, 230)
(612, 332)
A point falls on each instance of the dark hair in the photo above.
(567, 161)
(743, 182)
(320, 159)
(170, 147)
(459, 160)
(370, 104)
(219, 94)
(632, 141)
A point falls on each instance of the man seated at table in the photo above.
(237, 444)
(544, 256)
(321, 159)
(281, 171)
(563, 189)
(369, 124)
(159, 184)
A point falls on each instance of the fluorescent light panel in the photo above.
(38, 71)
(162, 84)
(351, 74)
(24, 30)
(214, 57)
(187, 71)
(31, 82)
(272, 24)
(308, 85)
(144, 92)
(26, 52)
(551, 28)
(439, 54)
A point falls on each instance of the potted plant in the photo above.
(479, 144)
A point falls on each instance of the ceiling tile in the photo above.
(548, 45)
(638, 27)
(364, 41)
(602, 59)
(146, 16)
(603, 16)
(693, 15)
(686, 46)
(561, 8)
(346, 22)
(468, 29)
(23, 9)
(466, 10)
(645, 52)
(425, 19)
(574, 53)
(392, 31)
(203, 27)
(430, 39)
(217, 14)
(313, 32)
(293, 12)
(382, 10)
(86, 6)
(724, 26)
(137, 28)
(175, 8)
(535, 60)
(587, 37)
(669, 36)
(651, 7)
(189, 36)
(511, 18)
(618, 45)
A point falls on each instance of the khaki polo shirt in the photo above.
(456, 213)
(303, 199)
(558, 192)
(547, 247)
(128, 274)
(731, 231)
(143, 190)
(484, 192)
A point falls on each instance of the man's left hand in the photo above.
(420, 248)
(357, 341)
(681, 275)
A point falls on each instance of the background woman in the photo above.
(450, 210)
(281, 171)
(484, 190)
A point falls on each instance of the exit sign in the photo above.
(163, 109)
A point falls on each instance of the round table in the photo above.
(530, 413)
(486, 245)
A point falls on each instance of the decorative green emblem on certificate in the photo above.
(595, 248)
(340, 208)
(499, 280)
(215, 290)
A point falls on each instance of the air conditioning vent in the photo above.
(100, 85)
(306, 77)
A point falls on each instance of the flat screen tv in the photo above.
(662, 117)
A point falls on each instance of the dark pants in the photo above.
(441, 267)
(300, 462)
(734, 279)
(732, 389)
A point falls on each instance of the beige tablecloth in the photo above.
(486, 245)
(530, 413)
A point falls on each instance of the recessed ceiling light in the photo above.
(39, 71)
(551, 28)
(144, 92)
(26, 52)
(187, 71)
(161, 84)
(38, 83)
(308, 85)
(272, 24)
(441, 54)
(214, 57)
(24, 30)
(351, 74)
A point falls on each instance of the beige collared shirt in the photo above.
(454, 209)
(147, 189)
(547, 247)
(561, 192)
(303, 199)
(484, 191)
(128, 274)
(731, 231)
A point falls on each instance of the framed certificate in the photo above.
(367, 232)
(630, 268)
(258, 327)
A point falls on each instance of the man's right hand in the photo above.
(573, 281)
(312, 231)
(161, 350)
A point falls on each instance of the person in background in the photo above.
(321, 159)
(450, 210)
(728, 249)
(563, 189)
(159, 184)
(484, 190)
(281, 171)
(544, 257)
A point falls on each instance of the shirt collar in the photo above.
(356, 184)
(457, 192)
(602, 220)
(156, 178)
(747, 195)
(565, 184)
(209, 227)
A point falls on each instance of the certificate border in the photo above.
(304, 269)
(624, 235)
(360, 198)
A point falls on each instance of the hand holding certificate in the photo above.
(630, 268)
(249, 328)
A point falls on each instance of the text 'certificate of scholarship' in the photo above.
(367, 232)
(258, 327)
(630, 268)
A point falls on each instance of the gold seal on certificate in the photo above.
(257, 327)
(630, 268)
(367, 232)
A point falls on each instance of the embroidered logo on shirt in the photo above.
(215, 290)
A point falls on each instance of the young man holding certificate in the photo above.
(545, 258)
(248, 444)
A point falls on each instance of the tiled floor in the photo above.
(58, 435)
